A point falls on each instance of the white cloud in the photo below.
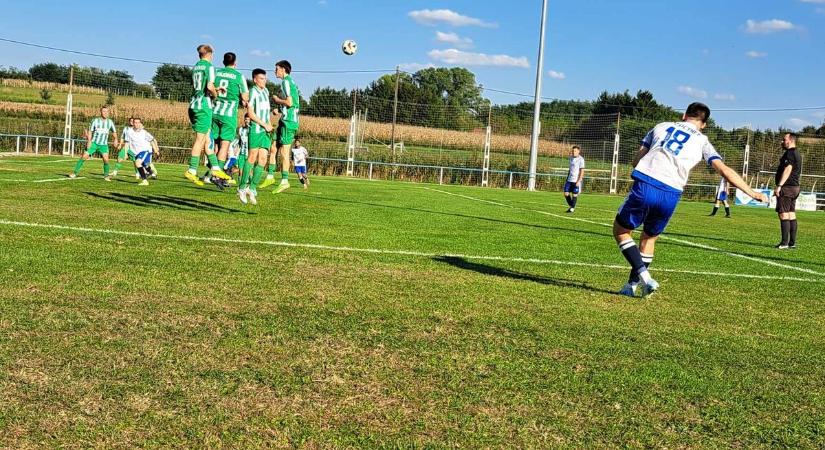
(458, 57)
(796, 123)
(454, 39)
(818, 115)
(436, 16)
(415, 67)
(261, 53)
(691, 91)
(556, 75)
(724, 97)
(818, 2)
(706, 51)
(207, 37)
(768, 26)
(322, 2)
(753, 54)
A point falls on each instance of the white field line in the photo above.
(681, 241)
(411, 253)
(48, 180)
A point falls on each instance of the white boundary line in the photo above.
(49, 180)
(411, 253)
(681, 241)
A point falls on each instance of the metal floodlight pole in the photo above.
(534, 140)
(395, 106)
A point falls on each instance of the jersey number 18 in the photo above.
(675, 140)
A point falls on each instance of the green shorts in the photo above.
(286, 132)
(259, 140)
(201, 120)
(224, 128)
(131, 154)
(97, 148)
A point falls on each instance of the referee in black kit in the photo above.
(787, 190)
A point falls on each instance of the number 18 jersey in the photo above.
(674, 148)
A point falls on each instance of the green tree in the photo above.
(173, 82)
(49, 72)
(45, 95)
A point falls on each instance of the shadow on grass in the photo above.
(485, 269)
(163, 201)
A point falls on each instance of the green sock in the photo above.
(221, 164)
(78, 166)
(284, 175)
(105, 169)
(118, 166)
(193, 163)
(246, 173)
(256, 178)
(241, 162)
(213, 161)
(270, 169)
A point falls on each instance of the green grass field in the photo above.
(379, 314)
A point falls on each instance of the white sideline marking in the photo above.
(664, 236)
(390, 252)
(58, 179)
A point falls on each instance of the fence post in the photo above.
(351, 145)
(370, 171)
(441, 176)
(614, 168)
(37, 145)
(50, 146)
(747, 157)
(485, 170)
(510, 184)
(18, 144)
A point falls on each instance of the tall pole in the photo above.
(395, 106)
(534, 140)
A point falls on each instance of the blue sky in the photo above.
(732, 54)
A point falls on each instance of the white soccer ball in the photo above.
(349, 47)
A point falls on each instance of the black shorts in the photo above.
(786, 202)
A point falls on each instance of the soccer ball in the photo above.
(349, 47)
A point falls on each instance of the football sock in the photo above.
(573, 200)
(715, 209)
(105, 169)
(634, 257)
(270, 169)
(246, 174)
(258, 174)
(792, 232)
(727, 210)
(786, 231)
(213, 161)
(78, 166)
(302, 180)
(193, 164)
(648, 260)
(567, 199)
(241, 161)
(121, 155)
(284, 175)
(118, 166)
(142, 171)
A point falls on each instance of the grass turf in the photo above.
(117, 339)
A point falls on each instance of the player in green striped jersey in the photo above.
(200, 115)
(259, 138)
(287, 125)
(97, 141)
(124, 151)
(232, 92)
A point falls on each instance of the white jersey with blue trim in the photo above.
(674, 148)
(576, 165)
(140, 140)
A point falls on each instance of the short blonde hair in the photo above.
(204, 49)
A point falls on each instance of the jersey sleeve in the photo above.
(582, 161)
(92, 126)
(285, 91)
(211, 76)
(244, 87)
(709, 153)
(149, 137)
(112, 127)
(647, 142)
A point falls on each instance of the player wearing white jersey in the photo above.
(662, 167)
(299, 160)
(722, 198)
(143, 145)
(575, 175)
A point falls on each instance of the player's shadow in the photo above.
(485, 269)
(163, 201)
(465, 216)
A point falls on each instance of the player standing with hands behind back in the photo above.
(575, 175)
(787, 190)
(668, 153)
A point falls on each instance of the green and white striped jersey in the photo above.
(100, 129)
(259, 103)
(243, 138)
(203, 73)
(123, 134)
(289, 89)
(233, 84)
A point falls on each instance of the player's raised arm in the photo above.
(734, 179)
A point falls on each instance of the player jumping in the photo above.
(97, 141)
(260, 140)
(722, 198)
(287, 125)
(200, 115)
(668, 153)
(232, 90)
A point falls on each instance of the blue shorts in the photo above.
(722, 196)
(301, 170)
(648, 205)
(571, 186)
(144, 158)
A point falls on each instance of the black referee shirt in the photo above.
(791, 157)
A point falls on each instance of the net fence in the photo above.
(399, 140)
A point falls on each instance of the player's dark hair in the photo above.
(229, 58)
(698, 111)
(204, 50)
(793, 135)
(137, 118)
(576, 147)
(257, 72)
(285, 65)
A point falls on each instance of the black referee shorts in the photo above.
(786, 202)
